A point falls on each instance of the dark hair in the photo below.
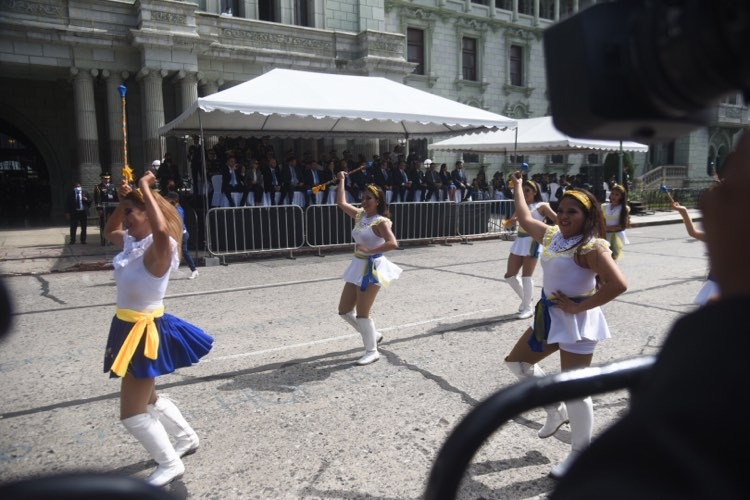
(377, 191)
(533, 185)
(594, 225)
(624, 219)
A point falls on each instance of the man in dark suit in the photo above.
(271, 180)
(418, 182)
(401, 182)
(105, 200)
(312, 177)
(381, 176)
(432, 178)
(292, 179)
(232, 180)
(77, 204)
(459, 179)
(253, 185)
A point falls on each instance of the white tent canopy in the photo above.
(289, 103)
(535, 135)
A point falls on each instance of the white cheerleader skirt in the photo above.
(383, 271)
(525, 246)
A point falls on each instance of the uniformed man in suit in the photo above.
(105, 201)
(77, 204)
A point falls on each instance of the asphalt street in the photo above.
(281, 410)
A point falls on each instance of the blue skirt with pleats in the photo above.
(180, 344)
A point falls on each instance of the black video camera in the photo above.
(646, 70)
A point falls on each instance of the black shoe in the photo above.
(83, 243)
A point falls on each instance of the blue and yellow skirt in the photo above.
(181, 344)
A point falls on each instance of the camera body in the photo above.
(646, 70)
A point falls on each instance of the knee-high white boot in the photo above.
(581, 424)
(175, 424)
(350, 318)
(152, 435)
(515, 284)
(556, 414)
(369, 337)
(527, 310)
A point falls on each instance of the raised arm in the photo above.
(348, 209)
(158, 257)
(535, 228)
(113, 231)
(691, 229)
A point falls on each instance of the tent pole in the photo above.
(620, 166)
(204, 188)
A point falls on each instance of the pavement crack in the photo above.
(396, 360)
(45, 291)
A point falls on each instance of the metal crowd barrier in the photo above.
(243, 230)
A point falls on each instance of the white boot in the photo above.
(369, 337)
(581, 424)
(152, 435)
(557, 414)
(175, 424)
(527, 310)
(352, 320)
(515, 284)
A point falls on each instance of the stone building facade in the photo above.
(62, 61)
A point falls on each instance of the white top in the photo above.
(561, 272)
(362, 232)
(137, 289)
(535, 213)
(612, 214)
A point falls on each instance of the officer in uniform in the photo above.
(105, 199)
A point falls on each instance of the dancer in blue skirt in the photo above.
(144, 342)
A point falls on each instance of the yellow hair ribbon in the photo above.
(374, 190)
(578, 195)
(144, 323)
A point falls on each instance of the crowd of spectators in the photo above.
(250, 172)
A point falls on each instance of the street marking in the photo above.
(210, 358)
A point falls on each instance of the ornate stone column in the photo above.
(153, 113)
(209, 87)
(114, 120)
(188, 94)
(87, 143)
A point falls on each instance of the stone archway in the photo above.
(28, 173)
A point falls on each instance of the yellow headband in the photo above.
(532, 185)
(374, 190)
(578, 195)
(619, 187)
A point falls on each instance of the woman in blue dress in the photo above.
(145, 342)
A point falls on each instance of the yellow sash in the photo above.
(144, 322)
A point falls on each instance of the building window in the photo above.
(267, 11)
(516, 159)
(415, 49)
(557, 159)
(526, 7)
(566, 8)
(730, 99)
(230, 7)
(516, 66)
(471, 158)
(504, 4)
(303, 13)
(469, 58)
(480, 2)
(547, 9)
(592, 159)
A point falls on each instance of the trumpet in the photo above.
(320, 187)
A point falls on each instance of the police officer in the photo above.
(105, 199)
